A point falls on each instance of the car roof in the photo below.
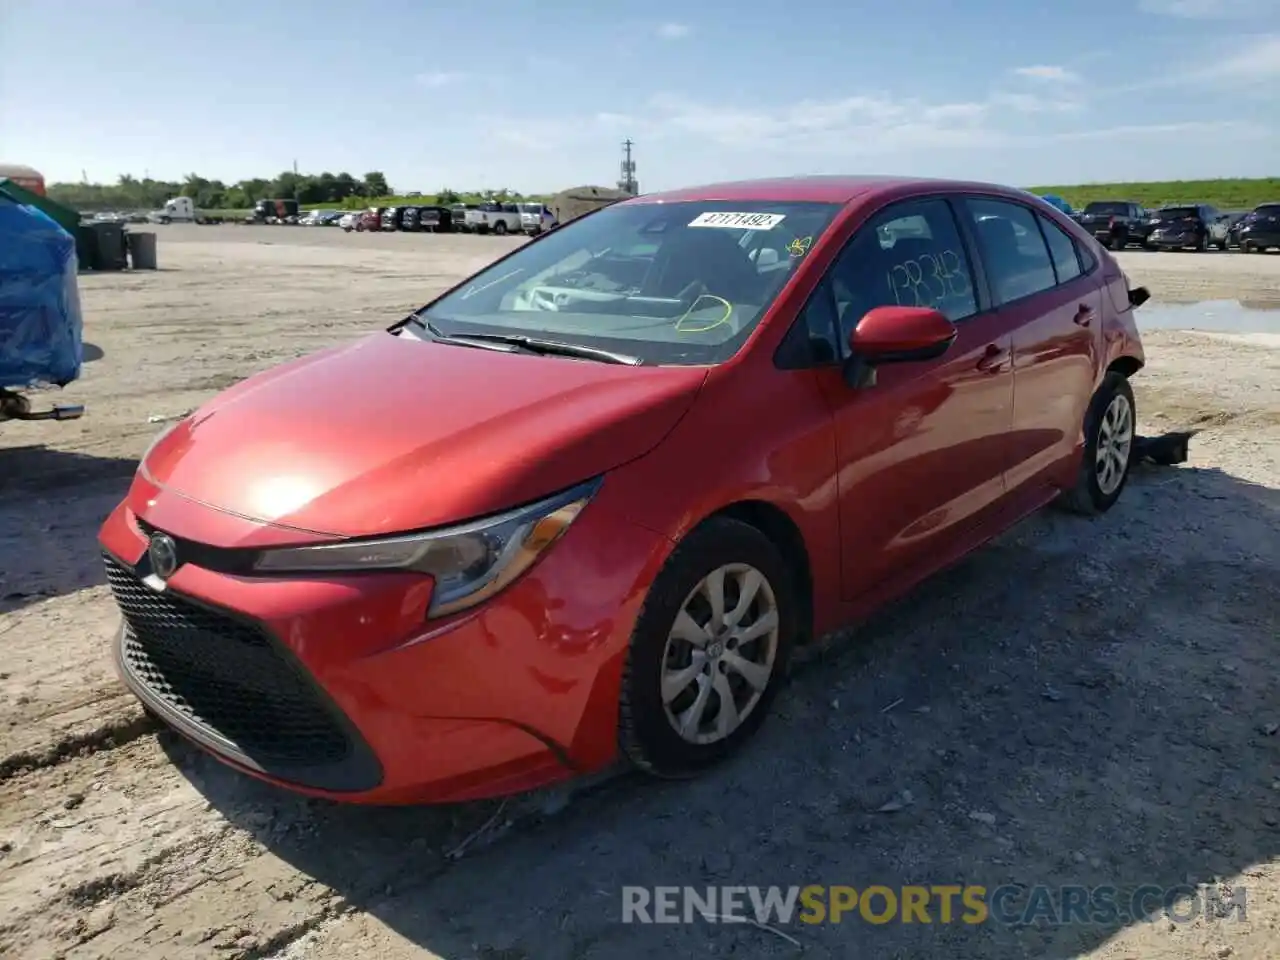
(820, 189)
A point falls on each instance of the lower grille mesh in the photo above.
(226, 677)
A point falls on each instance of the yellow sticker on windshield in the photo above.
(799, 246)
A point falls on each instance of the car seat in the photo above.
(710, 256)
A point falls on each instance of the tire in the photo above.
(1119, 241)
(1222, 245)
(500, 228)
(647, 733)
(1202, 244)
(1096, 490)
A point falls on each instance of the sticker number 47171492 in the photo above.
(739, 221)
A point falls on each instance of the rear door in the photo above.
(922, 453)
(1053, 309)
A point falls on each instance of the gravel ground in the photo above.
(1089, 702)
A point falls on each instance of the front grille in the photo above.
(235, 684)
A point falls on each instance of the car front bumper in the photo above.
(339, 687)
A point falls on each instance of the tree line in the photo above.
(339, 189)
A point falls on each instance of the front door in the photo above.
(922, 453)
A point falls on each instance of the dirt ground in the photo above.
(1090, 702)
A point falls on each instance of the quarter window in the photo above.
(1014, 252)
(1062, 249)
(909, 255)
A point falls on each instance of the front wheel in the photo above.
(1109, 427)
(499, 228)
(709, 650)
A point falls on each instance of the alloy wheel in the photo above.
(1115, 443)
(720, 653)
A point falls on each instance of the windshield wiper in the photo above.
(439, 336)
(552, 347)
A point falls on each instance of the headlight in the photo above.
(469, 563)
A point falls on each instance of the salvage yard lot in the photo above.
(1089, 702)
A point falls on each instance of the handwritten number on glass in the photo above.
(928, 280)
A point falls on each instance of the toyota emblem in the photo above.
(164, 556)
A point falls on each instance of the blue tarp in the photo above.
(1058, 202)
(40, 319)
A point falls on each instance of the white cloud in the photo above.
(439, 78)
(674, 31)
(1208, 9)
(1030, 103)
(1259, 60)
(1048, 73)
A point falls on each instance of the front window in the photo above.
(668, 283)
(1178, 213)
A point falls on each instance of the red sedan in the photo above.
(587, 502)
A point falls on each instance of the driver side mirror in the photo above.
(895, 335)
(1138, 296)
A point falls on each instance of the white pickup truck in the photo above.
(535, 218)
(494, 217)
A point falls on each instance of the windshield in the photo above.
(1267, 210)
(671, 283)
(1177, 213)
(1112, 208)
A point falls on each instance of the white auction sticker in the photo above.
(739, 221)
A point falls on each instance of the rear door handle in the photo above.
(993, 359)
(1084, 316)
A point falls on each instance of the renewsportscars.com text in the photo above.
(1010, 905)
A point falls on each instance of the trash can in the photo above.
(86, 247)
(110, 247)
(142, 250)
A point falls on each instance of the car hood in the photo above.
(391, 433)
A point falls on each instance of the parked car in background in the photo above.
(348, 221)
(1194, 225)
(496, 568)
(458, 216)
(495, 217)
(371, 219)
(536, 218)
(396, 218)
(1115, 223)
(435, 219)
(320, 218)
(1259, 230)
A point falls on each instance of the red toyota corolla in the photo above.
(585, 504)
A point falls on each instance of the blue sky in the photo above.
(537, 94)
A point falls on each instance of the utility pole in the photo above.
(628, 182)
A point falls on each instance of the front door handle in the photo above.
(1084, 316)
(993, 359)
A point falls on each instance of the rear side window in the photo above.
(908, 255)
(1062, 249)
(1013, 250)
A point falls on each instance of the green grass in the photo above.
(1236, 194)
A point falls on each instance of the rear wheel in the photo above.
(500, 228)
(1108, 453)
(709, 650)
